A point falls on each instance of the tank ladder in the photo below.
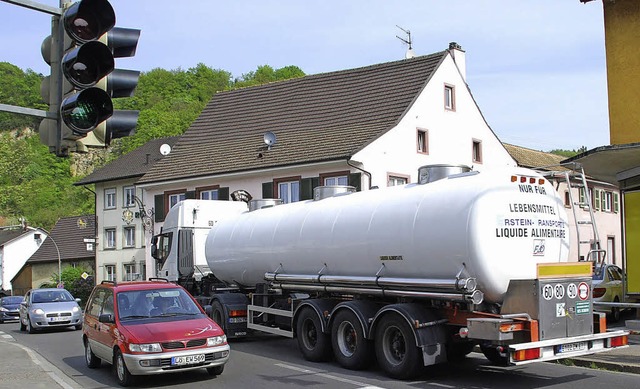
(575, 178)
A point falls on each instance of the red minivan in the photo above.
(150, 327)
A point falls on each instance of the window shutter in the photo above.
(190, 195)
(267, 190)
(306, 187)
(223, 193)
(158, 208)
(355, 180)
(596, 202)
(616, 202)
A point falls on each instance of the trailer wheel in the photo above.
(350, 348)
(494, 355)
(314, 344)
(396, 349)
(217, 314)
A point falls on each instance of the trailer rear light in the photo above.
(526, 354)
(237, 312)
(523, 179)
(599, 292)
(532, 180)
(617, 341)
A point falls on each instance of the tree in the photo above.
(21, 89)
(73, 282)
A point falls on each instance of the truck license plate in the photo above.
(570, 347)
(187, 360)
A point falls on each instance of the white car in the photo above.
(49, 308)
(607, 286)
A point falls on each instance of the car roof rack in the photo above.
(158, 279)
(109, 282)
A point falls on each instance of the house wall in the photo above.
(41, 272)
(113, 218)
(22, 282)
(450, 133)
(16, 253)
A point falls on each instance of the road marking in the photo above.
(329, 376)
(5, 336)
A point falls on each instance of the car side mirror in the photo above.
(106, 318)
(207, 310)
(78, 300)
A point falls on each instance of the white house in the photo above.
(17, 245)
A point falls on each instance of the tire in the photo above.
(614, 316)
(216, 370)
(30, 328)
(314, 344)
(123, 376)
(23, 327)
(494, 356)
(396, 350)
(77, 327)
(217, 314)
(89, 357)
(350, 348)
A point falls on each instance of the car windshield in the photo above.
(598, 273)
(12, 300)
(155, 303)
(51, 296)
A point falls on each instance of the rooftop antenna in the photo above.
(409, 53)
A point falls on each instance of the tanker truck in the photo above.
(410, 276)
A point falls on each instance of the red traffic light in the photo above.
(84, 66)
(87, 20)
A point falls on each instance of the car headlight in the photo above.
(216, 340)
(145, 348)
(3, 309)
(38, 311)
(75, 309)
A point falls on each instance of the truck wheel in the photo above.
(396, 349)
(123, 376)
(350, 348)
(494, 356)
(314, 344)
(217, 314)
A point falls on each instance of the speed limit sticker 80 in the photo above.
(557, 291)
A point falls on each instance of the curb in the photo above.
(610, 366)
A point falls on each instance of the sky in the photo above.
(536, 68)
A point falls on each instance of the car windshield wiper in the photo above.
(134, 317)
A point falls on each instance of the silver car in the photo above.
(49, 308)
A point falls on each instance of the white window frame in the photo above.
(422, 141)
(449, 97)
(476, 151)
(336, 181)
(289, 191)
(129, 236)
(110, 198)
(175, 198)
(129, 272)
(209, 194)
(128, 195)
(395, 180)
(110, 272)
(109, 238)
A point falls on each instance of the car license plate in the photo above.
(570, 347)
(187, 360)
(56, 319)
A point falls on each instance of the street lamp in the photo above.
(37, 237)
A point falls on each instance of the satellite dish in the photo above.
(269, 139)
(165, 149)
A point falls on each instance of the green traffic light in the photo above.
(83, 111)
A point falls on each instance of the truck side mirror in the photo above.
(154, 251)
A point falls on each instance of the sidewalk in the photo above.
(21, 367)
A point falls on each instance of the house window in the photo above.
(606, 201)
(616, 202)
(128, 195)
(110, 198)
(339, 180)
(176, 198)
(449, 97)
(567, 199)
(209, 194)
(423, 142)
(110, 238)
(110, 272)
(477, 151)
(396, 180)
(289, 192)
(129, 236)
(130, 272)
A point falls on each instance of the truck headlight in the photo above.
(216, 340)
(145, 348)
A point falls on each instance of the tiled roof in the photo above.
(131, 165)
(315, 118)
(533, 158)
(69, 234)
(7, 235)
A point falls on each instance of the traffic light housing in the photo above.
(82, 51)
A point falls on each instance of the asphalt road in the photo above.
(273, 362)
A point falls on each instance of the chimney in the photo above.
(459, 58)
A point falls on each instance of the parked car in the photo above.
(607, 286)
(10, 308)
(150, 327)
(49, 308)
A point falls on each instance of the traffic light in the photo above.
(82, 51)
